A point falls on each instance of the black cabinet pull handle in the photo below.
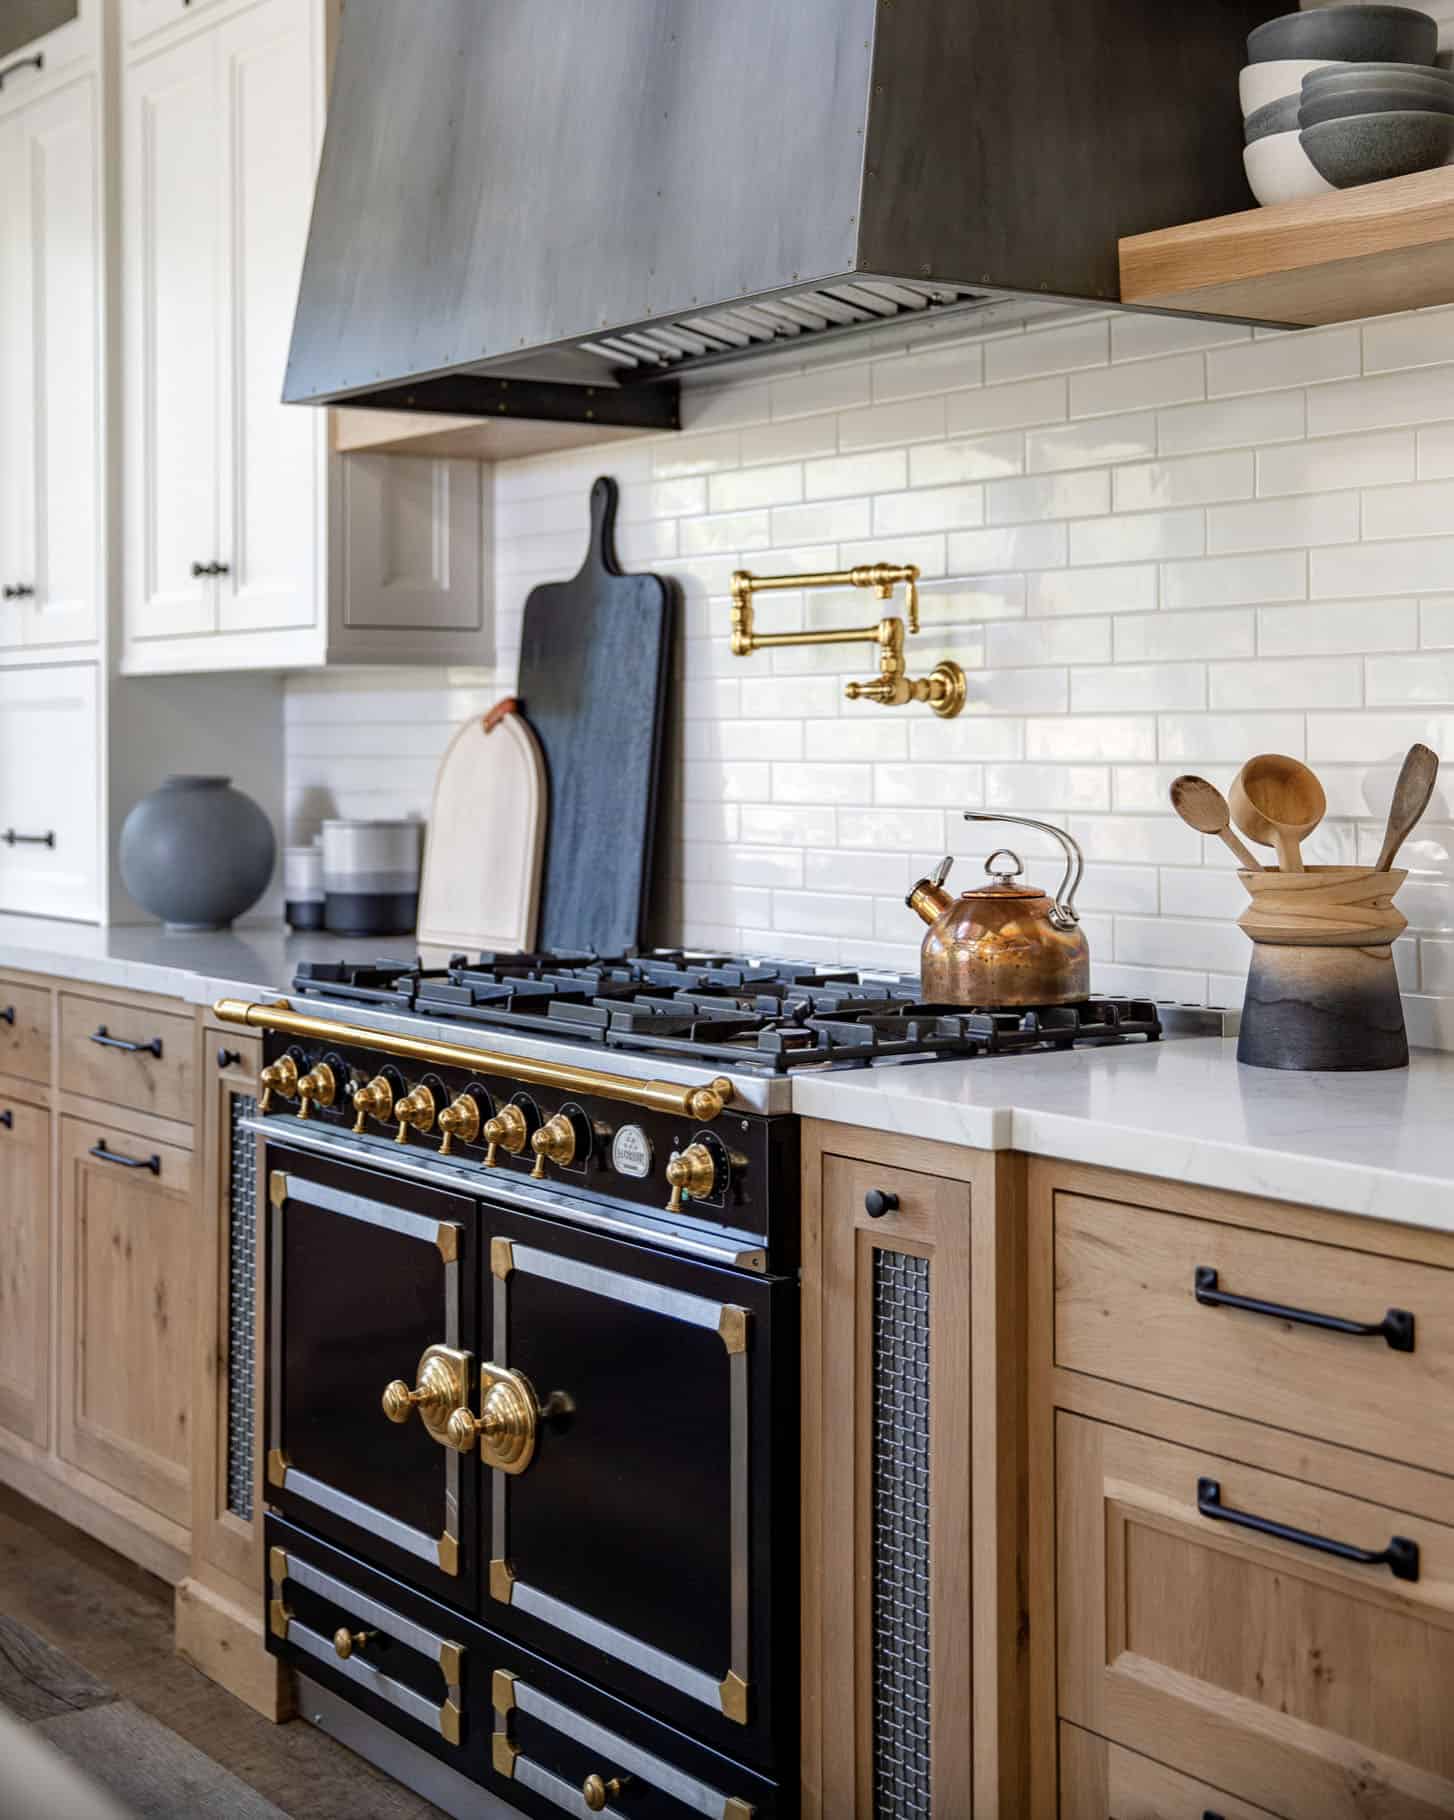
(7, 1119)
(12, 839)
(229, 1058)
(7, 1016)
(107, 1041)
(103, 1155)
(876, 1203)
(19, 591)
(1397, 1326)
(37, 62)
(1401, 1557)
(200, 569)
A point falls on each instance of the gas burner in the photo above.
(388, 984)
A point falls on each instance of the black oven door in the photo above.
(372, 1346)
(636, 1408)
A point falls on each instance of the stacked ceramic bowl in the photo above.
(1343, 95)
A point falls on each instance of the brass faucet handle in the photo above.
(375, 1100)
(280, 1077)
(505, 1131)
(691, 1171)
(318, 1084)
(554, 1142)
(416, 1109)
(348, 1642)
(596, 1792)
(460, 1119)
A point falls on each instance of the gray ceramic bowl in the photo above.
(1420, 82)
(1277, 117)
(1355, 34)
(1370, 101)
(1367, 148)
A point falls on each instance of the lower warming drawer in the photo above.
(540, 1739)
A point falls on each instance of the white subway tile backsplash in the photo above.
(1299, 357)
(1236, 543)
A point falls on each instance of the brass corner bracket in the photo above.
(943, 688)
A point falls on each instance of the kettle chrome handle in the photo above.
(1063, 912)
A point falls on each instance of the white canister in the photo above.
(303, 887)
(371, 877)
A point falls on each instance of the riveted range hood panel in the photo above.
(570, 198)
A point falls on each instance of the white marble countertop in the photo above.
(1185, 1109)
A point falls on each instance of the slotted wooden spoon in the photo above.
(1202, 806)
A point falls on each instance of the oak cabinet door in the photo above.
(1304, 1682)
(127, 1313)
(24, 1269)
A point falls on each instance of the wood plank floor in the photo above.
(112, 1624)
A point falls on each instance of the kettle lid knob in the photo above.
(1010, 865)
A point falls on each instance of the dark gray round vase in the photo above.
(197, 853)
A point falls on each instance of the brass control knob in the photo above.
(318, 1084)
(375, 1101)
(555, 1142)
(279, 1077)
(346, 1642)
(704, 1103)
(596, 1793)
(691, 1171)
(416, 1109)
(505, 1427)
(505, 1131)
(438, 1393)
(460, 1119)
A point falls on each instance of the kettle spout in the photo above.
(928, 899)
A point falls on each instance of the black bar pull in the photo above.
(12, 839)
(18, 591)
(876, 1203)
(7, 1119)
(1401, 1557)
(199, 569)
(37, 62)
(107, 1041)
(103, 1155)
(1397, 1326)
(7, 1015)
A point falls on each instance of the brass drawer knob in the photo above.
(348, 1642)
(596, 1791)
(441, 1388)
(506, 1425)
(505, 1131)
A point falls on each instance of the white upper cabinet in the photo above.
(52, 506)
(244, 542)
(36, 64)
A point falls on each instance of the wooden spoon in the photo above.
(1202, 806)
(1277, 802)
(1410, 799)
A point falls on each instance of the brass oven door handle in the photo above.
(441, 1390)
(105, 1040)
(507, 1424)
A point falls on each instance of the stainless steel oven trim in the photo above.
(440, 1551)
(494, 1186)
(701, 1797)
(697, 1311)
(401, 1630)
(363, 1673)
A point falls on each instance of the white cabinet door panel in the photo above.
(140, 18)
(170, 229)
(17, 399)
(270, 453)
(50, 814)
(411, 544)
(62, 172)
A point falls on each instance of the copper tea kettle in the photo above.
(1006, 944)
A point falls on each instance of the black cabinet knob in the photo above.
(876, 1203)
(228, 1058)
(7, 1119)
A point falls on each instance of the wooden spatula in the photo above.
(1202, 806)
(1410, 799)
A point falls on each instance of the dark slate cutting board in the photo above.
(594, 658)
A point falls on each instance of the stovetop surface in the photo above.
(761, 1016)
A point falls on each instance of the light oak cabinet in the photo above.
(248, 543)
(25, 1226)
(126, 1223)
(912, 1492)
(52, 506)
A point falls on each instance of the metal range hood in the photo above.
(551, 209)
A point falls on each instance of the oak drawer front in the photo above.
(1127, 1309)
(25, 1032)
(1104, 1781)
(1296, 1679)
(126, 1056)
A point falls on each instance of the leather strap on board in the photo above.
(509, 704)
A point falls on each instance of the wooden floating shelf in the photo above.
(367, 432)
(1364, 252)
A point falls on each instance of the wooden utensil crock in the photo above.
(1322, 992)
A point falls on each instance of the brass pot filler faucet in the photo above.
(943, 688)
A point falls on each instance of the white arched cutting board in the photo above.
(482, 857)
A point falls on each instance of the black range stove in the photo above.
(761, 1016)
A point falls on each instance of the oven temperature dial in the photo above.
(701, 1172)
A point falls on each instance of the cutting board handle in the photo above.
(605, 497)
